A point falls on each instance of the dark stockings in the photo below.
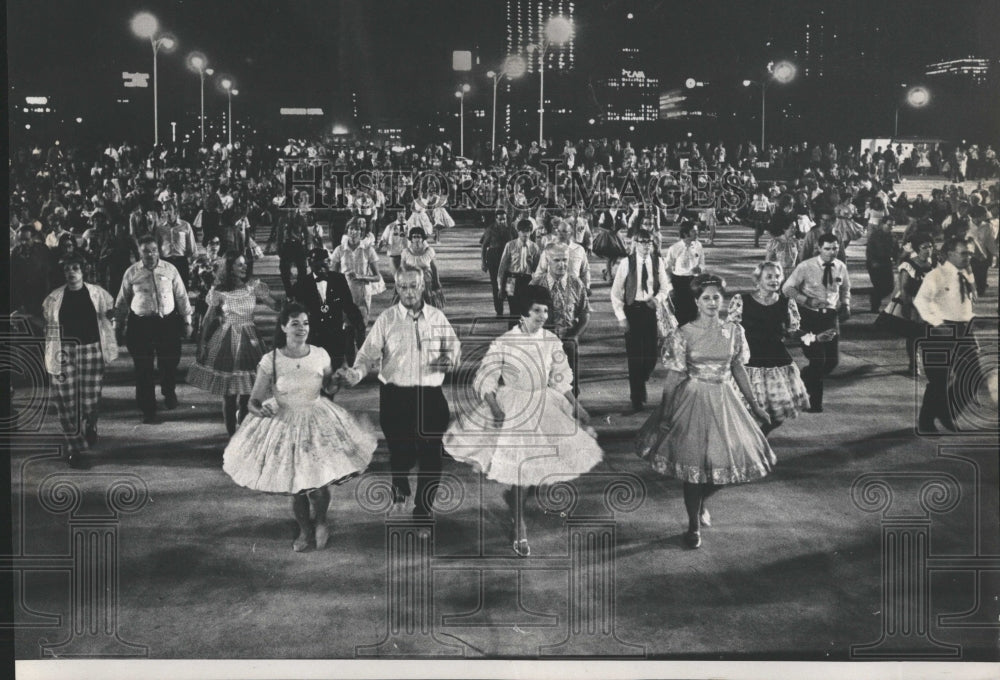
(694, 502)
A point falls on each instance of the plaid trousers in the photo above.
(78, 391)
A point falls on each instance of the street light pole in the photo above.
(558, 30)
(783, 72)
(763, 113)
(198, 62)
(513, 68)
(227, 84)
(156, 100)
(541, 93)
(461, 124)
(145, 25)
(493, 135)
(460, 93)
(201, 74)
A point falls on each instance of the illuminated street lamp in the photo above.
(513, 67)
(145, 25)
(558, 30)
(460, 93)
(916, 97)
(782, 72)
(198, 62)
(226, 83)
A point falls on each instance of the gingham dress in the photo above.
(229, 364)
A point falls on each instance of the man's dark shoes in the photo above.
(170, 402)
(635, 408)
(78, 461)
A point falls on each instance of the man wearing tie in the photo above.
(327, 296)
(414, 346)
(570, 306)
(822, 289)
(684, 261)
(945, 302)
(640, 284)
(517, 264)
(578, 264)
(155, 302)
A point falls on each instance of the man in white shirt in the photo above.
(579, 266)
(640, 284)
(821, 288)
(177, 240)
(154, 300)
(414, 345)
(683, 261)
(945, 302)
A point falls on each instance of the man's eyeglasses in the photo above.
(644, 243)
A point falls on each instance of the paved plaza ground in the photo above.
(867, 541)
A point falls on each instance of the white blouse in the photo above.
(526, 362)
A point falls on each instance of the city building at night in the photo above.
(525, 31)
(970, 68)
(632, 95)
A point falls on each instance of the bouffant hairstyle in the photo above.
(703, 281)
(536, 295)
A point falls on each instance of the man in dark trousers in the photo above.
(328, 298)
(517, 265)
(945, 301)
(414, 346)
(821, 288)
(154, 300)
(495, 238)
(640, 284)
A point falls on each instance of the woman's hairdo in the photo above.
(758, 271)
(703, 281)
(72, 258)
(291, 309)
(417, 231)
(536, 295)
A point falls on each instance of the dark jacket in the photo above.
(326, 317)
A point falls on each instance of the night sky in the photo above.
(397, 53)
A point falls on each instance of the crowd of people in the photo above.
(143, 251)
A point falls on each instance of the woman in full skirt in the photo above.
(767, 317)
(702, 433)
(296, 441)
(229, 347)
(526, 428)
